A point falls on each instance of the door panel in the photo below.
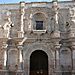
(38, 63)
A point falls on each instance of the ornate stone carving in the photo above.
(8, 25)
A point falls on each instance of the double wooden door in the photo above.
(38, 63)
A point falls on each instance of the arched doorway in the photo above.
(38, 63)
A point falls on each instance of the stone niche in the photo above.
(65, 59)
(12, 60)
(13, 55)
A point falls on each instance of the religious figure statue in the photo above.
(8, 25)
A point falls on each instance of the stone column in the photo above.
(56, 32)
(71, 23)
(5, 54)
(5, 57)
(73, 63)
(30, 23)
(55, 10)
(71, 34)
(22, 11)
(57, 58)
(20, 57)
(57, 46)
(73, 56)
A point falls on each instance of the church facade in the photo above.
(37, 38)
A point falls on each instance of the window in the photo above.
(39, 25)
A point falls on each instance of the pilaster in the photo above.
(5, 55)
(22, 12)
(65, 54)
(57, 58)
(20, 47)
(55, 10)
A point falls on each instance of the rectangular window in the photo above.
(39, 25)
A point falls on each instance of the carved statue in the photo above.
(8, 25)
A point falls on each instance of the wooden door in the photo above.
(38, 63)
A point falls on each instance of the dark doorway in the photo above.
(38, 63)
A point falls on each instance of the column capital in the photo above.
(5, 45)
(20, 47)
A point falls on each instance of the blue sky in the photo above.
(16, 1)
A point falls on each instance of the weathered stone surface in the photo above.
(20, 38)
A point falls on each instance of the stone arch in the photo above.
(39, 56)
(33, 23)
(31, 15)
(31, 49)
